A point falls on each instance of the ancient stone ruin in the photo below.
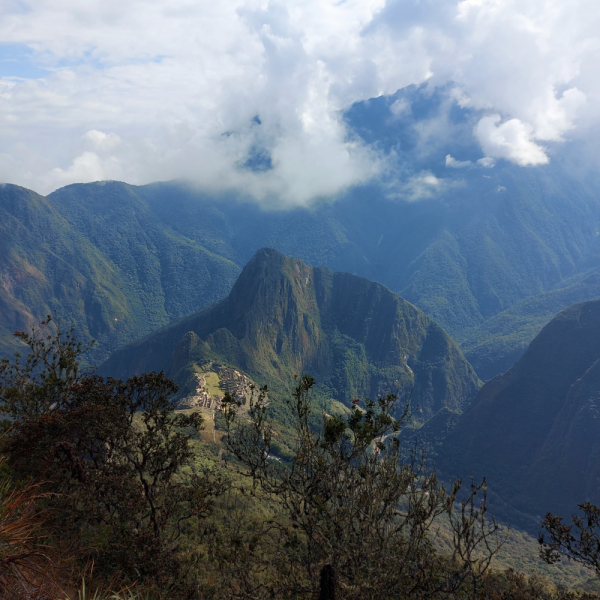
(230, 380)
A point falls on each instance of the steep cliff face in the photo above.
(284, 318)
(534, 431)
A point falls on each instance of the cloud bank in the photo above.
(248, 96)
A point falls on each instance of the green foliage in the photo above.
(345, 501)
(130, 492)
(115, 274)
(351, 377)
(579, 541)
(109, 454)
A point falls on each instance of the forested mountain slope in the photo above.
(480, 257)
(495, 345)
(285, 318)
(534, 431)
(47, 266)
(107, 267)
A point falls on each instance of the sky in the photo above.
(249, 97)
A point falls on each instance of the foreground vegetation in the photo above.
(104, 494)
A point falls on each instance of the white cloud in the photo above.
(530, 60)
(457, 164)
(85, 168)
(486, 162)
(400, 107)
(146, 89)
(421, 186)
(512, 140)
(424, 185)
(102, 141)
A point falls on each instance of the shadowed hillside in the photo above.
(534, 432)
(499, 342)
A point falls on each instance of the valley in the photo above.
(167, 301)
(117, 262)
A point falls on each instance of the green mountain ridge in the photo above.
(499, 342)
(469, 258)
(47, 267)
(533, 432)
(108, 268)
(284, 318)
(172, 275)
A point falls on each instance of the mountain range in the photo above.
(491, 259)
(118, 262)
(532, 432)
(470, 290)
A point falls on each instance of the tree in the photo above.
(109, 452)
(579, 541)
(350, 516)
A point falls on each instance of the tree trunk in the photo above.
(327, 589)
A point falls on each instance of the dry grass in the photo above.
(27, 563)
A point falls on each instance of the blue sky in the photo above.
(155, 89)
(17, 60)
